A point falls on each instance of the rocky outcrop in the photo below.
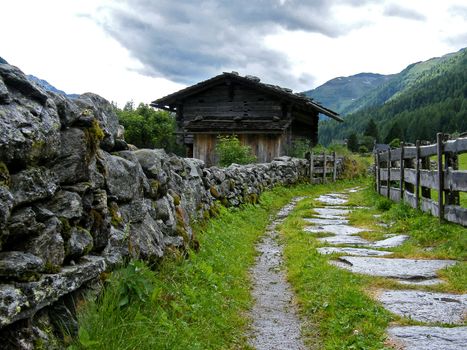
(75, 202)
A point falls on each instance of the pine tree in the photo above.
(371, 130)
(352, 143)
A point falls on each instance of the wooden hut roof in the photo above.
(300, 100)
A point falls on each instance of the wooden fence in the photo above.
(324, 167)
(408, 174)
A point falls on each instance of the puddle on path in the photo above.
(275, 321)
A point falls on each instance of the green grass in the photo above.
(336, 309)
(199, 302)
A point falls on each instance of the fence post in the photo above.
(324, 167)
(388, 183)
(417, 175)
(378, 174)
(334, 167)
(439, 151)
(402, 178)
(312, 160)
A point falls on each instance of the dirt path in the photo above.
(275, 321)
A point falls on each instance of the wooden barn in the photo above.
(266, 117)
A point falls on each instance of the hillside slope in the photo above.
(340, 93)
(423, 99)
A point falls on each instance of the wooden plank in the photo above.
(324, 167)
(429, 179)
(455, 180)
(384, 191)
(417, 171)
(401, 175)
(456, 146)
(334, 167)
(440, 177)
(456, 213)
(395, 194)
(410, 176)
(429, 206)
(378, 174)
(410, 199)
(395, 174)
(389, 173)
(312, 160)
(396, 154)
(383, 156)
(428, 151)
(410, 152)
(383, 174)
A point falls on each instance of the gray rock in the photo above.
(342, 239)
(426, 306)
(49, 244)
(4, 94)
(332, 221)
(390, 242)
(428, 338)
(394, 268)
(146, 239)
(33, 184)
(6, 204)
(19, 264)
(11, 301)
(24, 299)
(23, 222)
(331, 213)
(422, 282)
(332, 199)
(151, 161)
(338, 230)
(104, 112)
(125, 179)
(67, 110)
(72, 165)
(79, 243)
(117, 247)
(30, 124)
(164, 210)
(352, 251)
(65, 204)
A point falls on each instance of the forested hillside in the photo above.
(339, 94)
(422, 100)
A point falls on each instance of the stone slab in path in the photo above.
(330, 213)
(426, 306)
(349, 240)
(390, 242)
(428, 338)
(352, 251)
(393, 268)
(327, 221)
(338, 230)
(332, 199)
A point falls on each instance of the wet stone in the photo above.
(352, 251)
(390, 242)
(393, 268)
(332, 199)
(331, 213)
(320, 221)
(338, 230)
(426, 306)
(428, 338)
(349, 240)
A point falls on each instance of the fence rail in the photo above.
(324, 167)
(409, 174)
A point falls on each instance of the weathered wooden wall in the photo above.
(264, 147)
(407, 174)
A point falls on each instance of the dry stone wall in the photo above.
(76, 200)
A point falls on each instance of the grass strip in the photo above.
(199, 302)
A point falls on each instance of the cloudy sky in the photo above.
(143, 49)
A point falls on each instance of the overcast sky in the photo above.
(141, 49)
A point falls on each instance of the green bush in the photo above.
(363, 149)
(299, 148)
(230, 150)
(383, 204)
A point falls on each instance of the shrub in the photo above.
(298, 148)
(363, 149)
(230, 150)
(383, 204)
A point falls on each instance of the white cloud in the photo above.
(60, 41)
